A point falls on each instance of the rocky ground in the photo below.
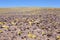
(30, 27)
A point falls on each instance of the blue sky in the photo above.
(30, 3)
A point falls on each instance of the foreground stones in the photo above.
(30, 27)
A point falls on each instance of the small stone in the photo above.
(43, 33)
(1, 31)
(31, 35)
(58, 37)
(5, 26)
(19, 32)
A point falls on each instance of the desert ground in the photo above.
(29, 23)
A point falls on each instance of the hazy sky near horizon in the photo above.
(30, 3)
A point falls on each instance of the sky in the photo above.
(30, 3)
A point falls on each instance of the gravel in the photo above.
(38, 27)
